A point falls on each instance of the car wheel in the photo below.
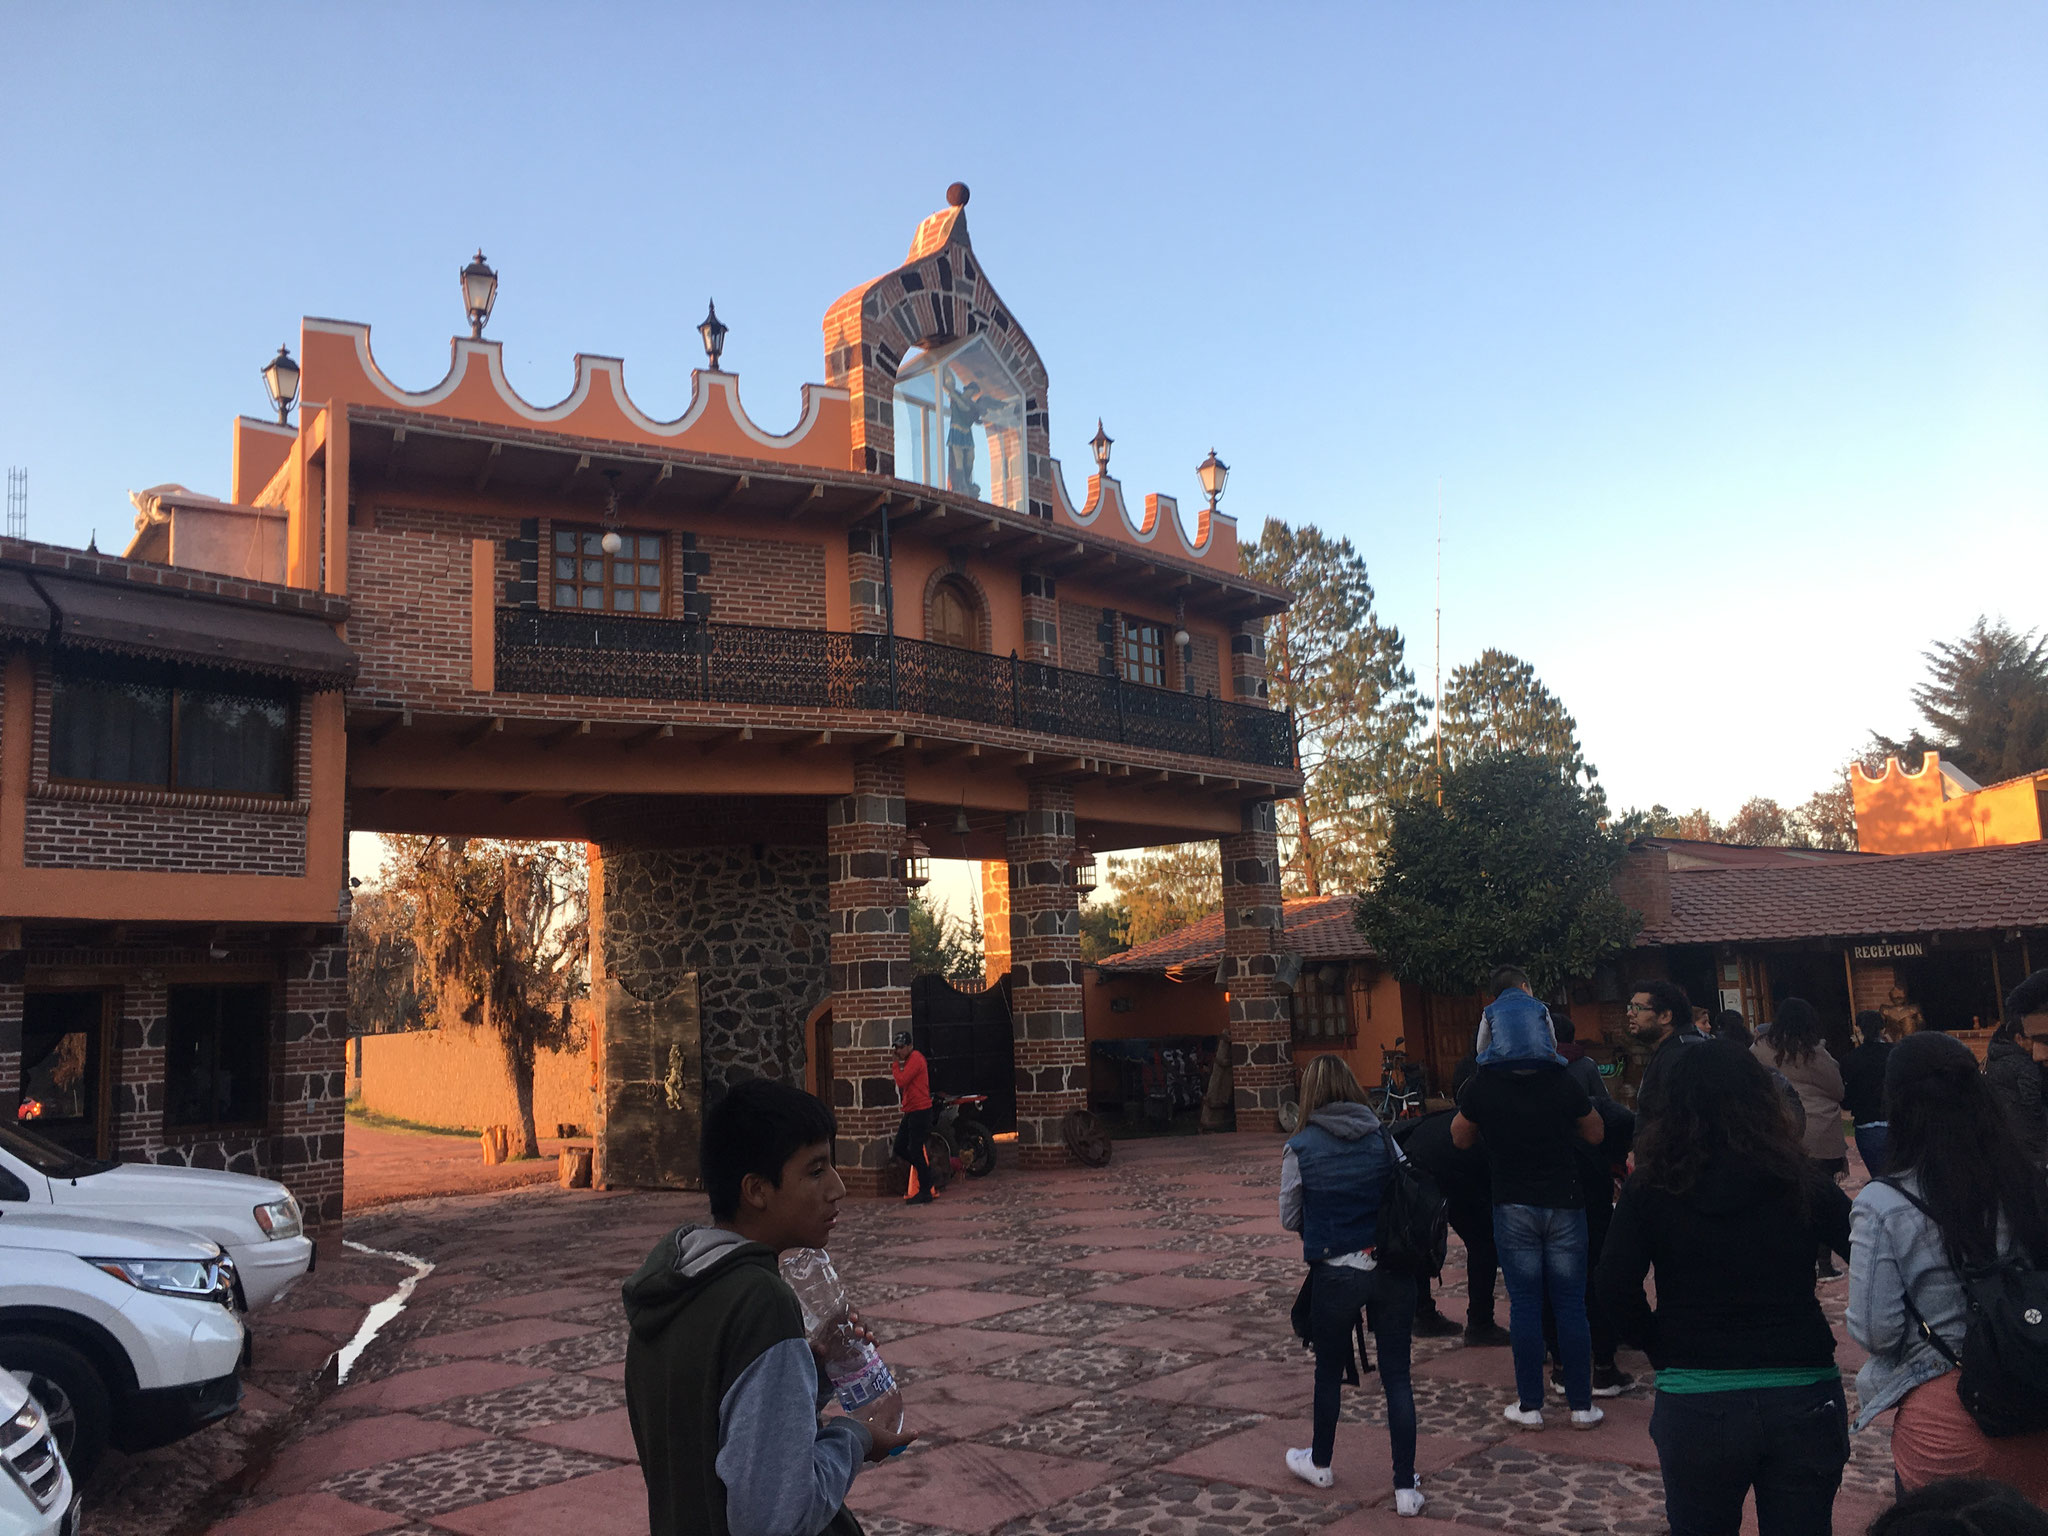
(977, 1150)
(73, 1397)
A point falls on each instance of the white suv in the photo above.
(126, 1334)
(256, 1220)
(36, 1496)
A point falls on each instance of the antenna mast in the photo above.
(1439, 710)
(17, 503)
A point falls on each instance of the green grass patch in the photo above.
(359, 1115)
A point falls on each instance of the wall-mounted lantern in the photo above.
(611, 543)
(1213, 472)
(917, 863)
(1084, 871)
(281, 378)
(713, 330)
(1100, 443)
(479, 293)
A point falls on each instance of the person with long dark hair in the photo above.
(1333, 1180)
(1727, 1208)
(1961, 1193)
(1796, 1050)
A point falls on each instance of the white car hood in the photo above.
(99, 1238)
(169, 1192)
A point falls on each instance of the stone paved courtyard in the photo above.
(1084, 1351)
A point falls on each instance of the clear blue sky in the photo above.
(1724, 328)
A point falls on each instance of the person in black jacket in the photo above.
(1468, 1193)
(1863, 1089)
(1727, 1208)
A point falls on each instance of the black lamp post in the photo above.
(1213, 472)
(281, 378)
(1100, 443)
(713, 330)
(479, 293)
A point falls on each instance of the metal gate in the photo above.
(966, 1040)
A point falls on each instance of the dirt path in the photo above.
(380, 1166)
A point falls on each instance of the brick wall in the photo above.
(1261, 1032)
(1050, 1030)
(1081, 647)
(10, 1048)
(1202, 668)
(764, 581)
(410, 588)
(308, 1081)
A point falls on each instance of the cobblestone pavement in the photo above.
(1085, 1351)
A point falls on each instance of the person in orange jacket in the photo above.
(914, 1090)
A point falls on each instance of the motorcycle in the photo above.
(957, 1139)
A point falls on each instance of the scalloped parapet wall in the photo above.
(1937, 806)
(1159, 530)
(339, 369)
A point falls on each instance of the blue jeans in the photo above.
(1388, 1301)
(1543, 1254)
(1871, 1143)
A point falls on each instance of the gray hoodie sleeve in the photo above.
(784, 1473)
(1290, 1191)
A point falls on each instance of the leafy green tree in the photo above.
(1105, 929)
(1658, 821)
(1358, 717)
(1828, 818)
(1498, 704)
(1167, 888)
(1760, 823)
(1514, 866)
(944, 945)
(1985, 702)
(501, 931)
(383, 980)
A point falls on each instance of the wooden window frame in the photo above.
(187, 1130)
(969, 599)
(1310, 986)
(175, 685)
(1131, 651)
(583, 536)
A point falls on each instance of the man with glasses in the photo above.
(2016, 1066)
(1660, 1017)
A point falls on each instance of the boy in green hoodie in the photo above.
(722, 1388)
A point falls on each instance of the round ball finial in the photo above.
(956, 194)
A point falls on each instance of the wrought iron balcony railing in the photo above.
(619, 657)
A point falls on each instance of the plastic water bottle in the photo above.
(865, 1388)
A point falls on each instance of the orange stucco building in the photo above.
(757, 670)
(1937, 806)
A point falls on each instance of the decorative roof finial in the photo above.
(957, 194)
(1100, 443)
(712, 330)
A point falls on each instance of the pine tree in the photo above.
(1986, 703)
(1357, 714)
(1497, 704)
(1167, 888)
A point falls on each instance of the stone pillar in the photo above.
(1041, 619)
(144, 1033)
(10, 1040)
(1045, 952)
(995, 920)
(1248, 660)
(870, 966)
(312, 1084)
(868, 591)
(1261, 1050)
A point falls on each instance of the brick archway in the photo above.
(939, 294)
(960, 576)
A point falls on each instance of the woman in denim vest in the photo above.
(1953, 1151)
(1333, 1176)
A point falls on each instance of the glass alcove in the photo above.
(960, 423)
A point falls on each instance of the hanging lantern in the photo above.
(1084, 871)
(917, 863)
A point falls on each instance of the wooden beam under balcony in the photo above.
(569, 480)
(805, 501)
(648, 737)
(659, 478)
(377, 733)
(737, 488)
(808, 742)
(727, 738)
(495, 726)
(490, 463)
(554, 739)
(890, 742)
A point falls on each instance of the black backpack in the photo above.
(2002, 1371)
(1414, 1221)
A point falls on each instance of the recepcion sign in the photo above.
(1912, 949)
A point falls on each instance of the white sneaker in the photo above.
(1586, 1418)
(1302, 1464)
(1528, 1418)
(1408, 1501)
